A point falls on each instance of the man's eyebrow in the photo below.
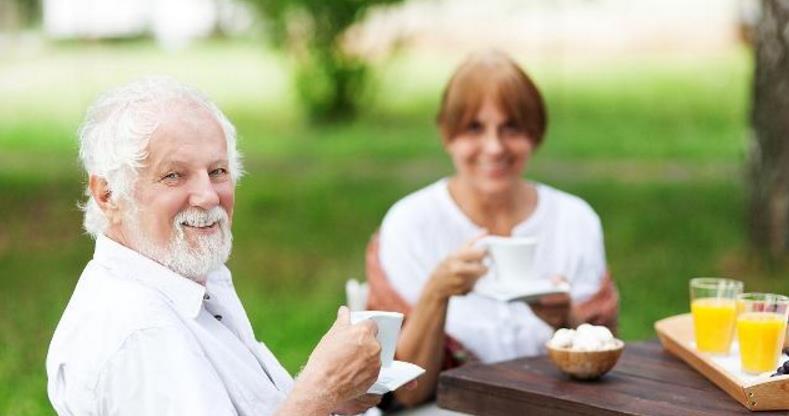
(163, 165)
(167, 164)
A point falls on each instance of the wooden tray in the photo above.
(676, 335)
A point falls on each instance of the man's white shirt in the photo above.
(138, 339)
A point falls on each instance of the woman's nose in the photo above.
(492, 142)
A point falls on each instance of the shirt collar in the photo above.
(185, 294)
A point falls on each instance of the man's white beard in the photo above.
(194, 260)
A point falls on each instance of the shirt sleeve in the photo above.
(160, 371)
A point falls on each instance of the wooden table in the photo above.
(646, 381)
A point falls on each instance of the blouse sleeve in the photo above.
(400, 257)
(591, 266)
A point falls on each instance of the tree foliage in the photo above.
(330, 80)
(17, 14)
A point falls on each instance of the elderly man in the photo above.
(154, 326)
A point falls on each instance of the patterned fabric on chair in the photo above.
(383, 297)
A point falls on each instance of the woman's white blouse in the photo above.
(138, 339)
(423, 228)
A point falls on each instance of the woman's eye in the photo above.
(510, 128)
(474, 127)
(171, 176)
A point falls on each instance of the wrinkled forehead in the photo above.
(179, 111)
(186, 132)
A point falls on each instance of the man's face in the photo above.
(184, 195)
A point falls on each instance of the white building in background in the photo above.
(580, 28)
(174, 23)
(575, 28)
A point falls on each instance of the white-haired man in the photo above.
(154, 326)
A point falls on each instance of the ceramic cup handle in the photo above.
(485, 243)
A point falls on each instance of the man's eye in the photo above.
(171, 176)
(219, 172)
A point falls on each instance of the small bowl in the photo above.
(586, 365)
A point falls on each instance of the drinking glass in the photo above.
(713, 304)
(761, 328)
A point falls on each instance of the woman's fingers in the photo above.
(468, 270)
(558, 279)
(473, 241)
(471, 254)
(555, 300)
(553, 309)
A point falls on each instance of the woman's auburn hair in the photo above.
(492, 74)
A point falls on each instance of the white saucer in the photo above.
(395, 376)
(528, 291)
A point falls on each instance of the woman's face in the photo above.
(491, 152)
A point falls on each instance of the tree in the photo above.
(18, 14)
(329, 79)
(769, 153)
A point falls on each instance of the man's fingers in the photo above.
(371, 325)
(411, 385)
(370, 400)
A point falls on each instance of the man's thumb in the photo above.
(343, 317)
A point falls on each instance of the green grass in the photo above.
(655, 144)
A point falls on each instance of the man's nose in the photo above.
(203, 194)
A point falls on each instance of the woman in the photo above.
(425, 262)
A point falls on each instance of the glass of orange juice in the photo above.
(761, 328)
(713, 304)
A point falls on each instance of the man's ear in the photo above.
(102, 194)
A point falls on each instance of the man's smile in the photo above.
(201, 227)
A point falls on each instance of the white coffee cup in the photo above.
(511, 259)
(389, 324)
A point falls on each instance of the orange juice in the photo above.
(761, 336)
(713, 323)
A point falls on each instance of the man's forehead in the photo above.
(181, 110)
(186, 135)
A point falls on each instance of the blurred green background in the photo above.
(655, 142)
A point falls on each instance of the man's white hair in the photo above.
(117, 128)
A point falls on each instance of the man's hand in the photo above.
(358, 405)
(343, 365)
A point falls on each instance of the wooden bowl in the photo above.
(586, 365)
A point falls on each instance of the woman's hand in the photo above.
(555, 309)
(458, 272)
(602, 308)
